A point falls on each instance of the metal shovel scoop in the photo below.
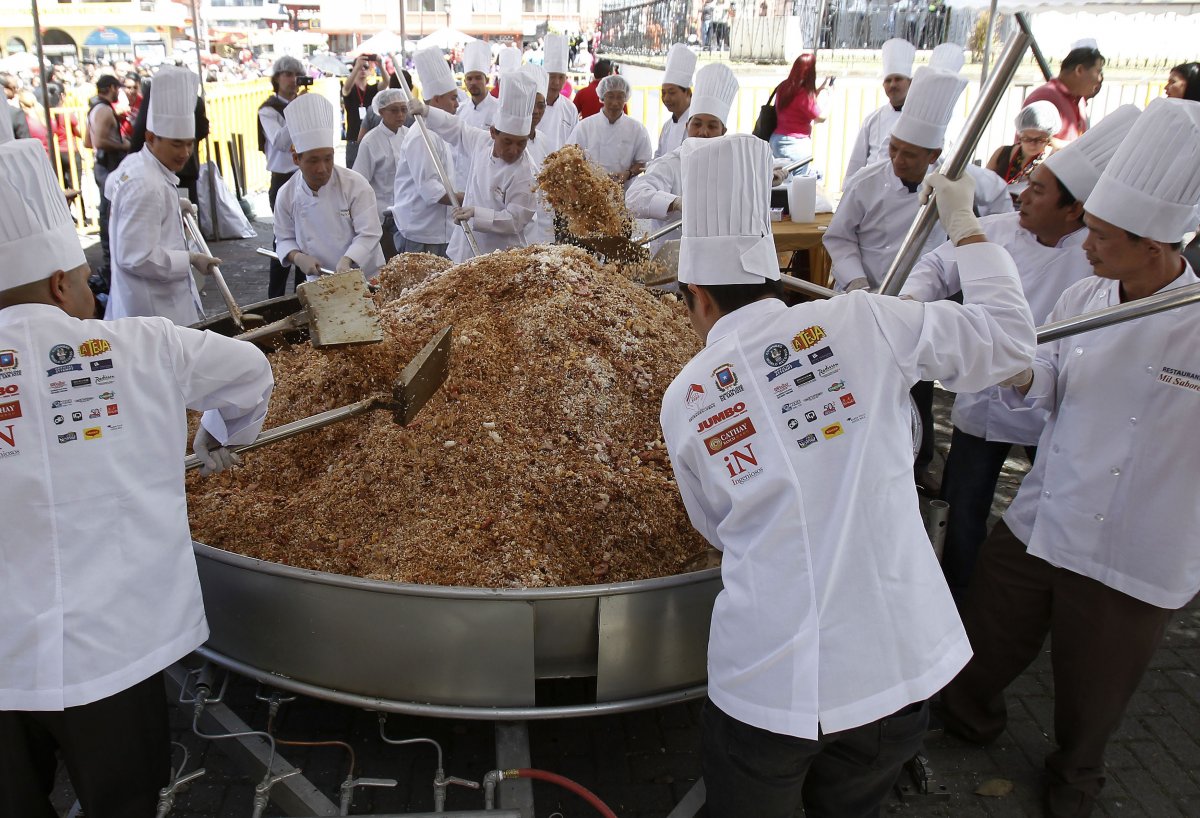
(418, 382)
(338, 311)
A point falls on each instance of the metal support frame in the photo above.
(512, 753)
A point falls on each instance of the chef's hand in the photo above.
(417, 107)
(462, 214)
(675, 206)
(777, 177)
(345, 263)
(203, 264)
(214, 458)
(955, 202)
(186, 207)
(1021, 381)
(306, 264)
(861, 283)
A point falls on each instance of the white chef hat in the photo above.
(311, 120)
(509, 60)
(477, 56)
(928, 107)
(898, 55)
(716, 88)
(173, 103)
(541, 78)
(614, 82)
(1152, 184)
(433, 72)
(386, 97)
(681, 64)
(37, 237)
(727, 239)
(1086, 42)
(1039, 116)
(6, 129)
(948, 57)
(556, 54)
(1079, 165)
(517, 93)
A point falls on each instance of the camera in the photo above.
(303, 82)
(371, 57)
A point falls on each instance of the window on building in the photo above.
(552, 6)
(427, 5)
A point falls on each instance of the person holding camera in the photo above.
(357, 95)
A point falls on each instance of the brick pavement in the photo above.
(642, 763)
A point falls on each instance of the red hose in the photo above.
(567, 784)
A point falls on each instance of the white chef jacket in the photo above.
(870, 223)
(501, 193)
(650, 194)
(560, 119)
(338, 220)
(672, 134)
(481, 115)
(278, 142)
(1112, 494)
(991, 193)
(871, 144)
(790, 438)
(100, 585)
(1045, 272)
(151, 274)
(541, 229)
(615, 146)
(378, 153)
(418, 215)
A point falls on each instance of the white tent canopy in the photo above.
(385, 42)
(444, 38)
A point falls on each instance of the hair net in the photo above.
(386, 97)
(1039, 116)
(613, 82)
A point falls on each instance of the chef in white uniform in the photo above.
(422, 203)
(480, 107)
(151, 264)
(1045, 239)
(378, 153)
(325, 216)
(676, 97)
(561, 114)
(499, 201)
(1099, 547)
(658, 194)
(880, 202)
(100, 586)
(614, 140)
(789, 437)
(540, 145)
(870, 145)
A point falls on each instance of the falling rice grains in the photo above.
(539, 462)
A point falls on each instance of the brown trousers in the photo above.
(1101, 643)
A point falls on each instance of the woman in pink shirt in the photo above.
(798, 108)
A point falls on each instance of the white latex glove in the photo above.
(861, 283)
(462, 214)
(186, 207)
(203, 264)
(345, 263)
(214, 458)
(306, 264)
(777, 177)
(417, 107)
(1020, 381)
(955, 200)
(676, 206)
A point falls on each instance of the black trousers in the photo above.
(117, 752)
(277, 284)
(754, 773)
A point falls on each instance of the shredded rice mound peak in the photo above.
(540, 461)
(583, 194)
(405, 270)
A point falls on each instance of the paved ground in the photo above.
(641, 764)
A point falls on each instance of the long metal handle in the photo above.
(262, 251)
(437, 163)
(1034, 48)
(193, 229)
(989, 100)
(799, 285)
(1119, 313)
(307, 424)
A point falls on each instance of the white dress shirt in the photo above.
(500, 193)
(338, 220)
(151, 273)
(100, 584)
(378, 153)
(871, 144)
(790, 438)
(673, 132)
(559, 120)
(615, 146)
(279, 140)
(869, 225)
(419, 217)
(1112, 494)
(1045, 272)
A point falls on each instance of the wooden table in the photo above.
(792, 237)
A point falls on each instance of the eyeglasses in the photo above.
(1035, 140)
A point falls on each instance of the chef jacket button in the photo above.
(1133, 421)
(1055, 448)
(1150, 369)
(1099, 518)
(1078, 350)
(1046, 493)
(1115, 472)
